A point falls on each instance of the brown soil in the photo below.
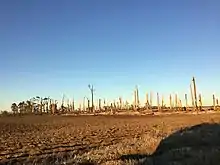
(97, 139)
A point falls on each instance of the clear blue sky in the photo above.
(51, 47)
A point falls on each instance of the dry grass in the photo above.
(106, 140)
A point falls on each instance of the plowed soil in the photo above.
(90, 139)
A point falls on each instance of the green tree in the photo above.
(14, 108)
(28, 106)
(22, 107)
(46, 101)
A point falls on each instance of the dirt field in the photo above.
(109, 139)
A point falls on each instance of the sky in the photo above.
(53, 47)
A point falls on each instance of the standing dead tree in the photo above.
(92, 95)
(88, 104)
(192, 97)
(176, 102)
(73, 105)
(105, 106)
(147, 102)
(135, 99)
(62, 104)
(68, 105)
(100, 104)
(195, 93)
(138, 101)
(213, 98)
(84, 106)
(186, 102)
(162, 103)
(180, 105)
(120, 103)
(171, 102)
(50, 102)
(158, 102)
(200, 102)
(53, 107)
(151, 101)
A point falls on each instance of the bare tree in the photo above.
(92, 95)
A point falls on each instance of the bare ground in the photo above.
(113, 140)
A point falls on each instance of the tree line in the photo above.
(36, 105)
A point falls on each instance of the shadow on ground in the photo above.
(196, 145)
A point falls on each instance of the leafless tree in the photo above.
(92, 95)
